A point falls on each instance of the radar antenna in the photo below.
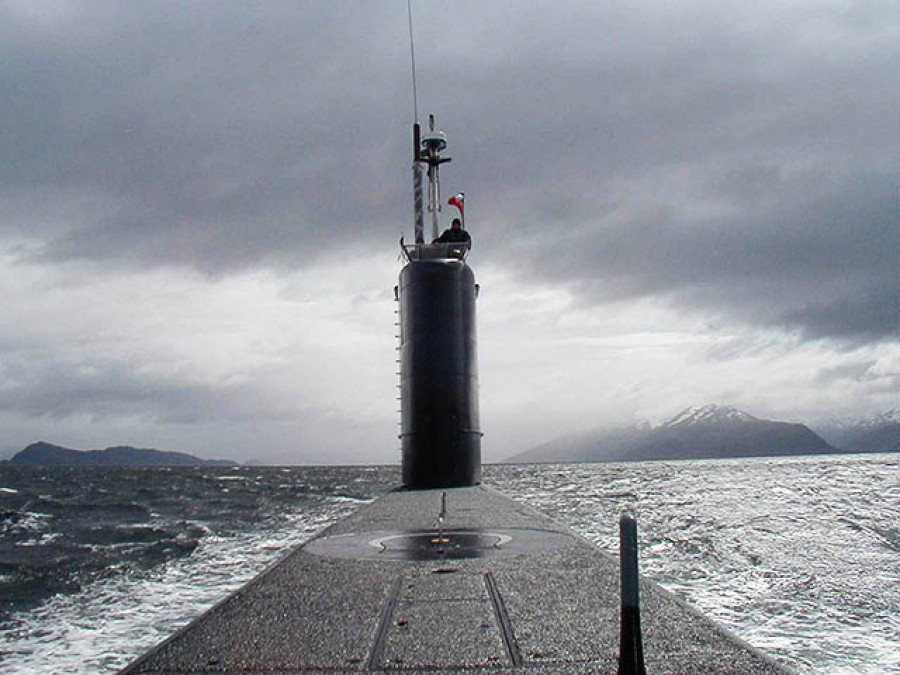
(434, 142)
(427, 148)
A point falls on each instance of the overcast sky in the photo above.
(671, 204)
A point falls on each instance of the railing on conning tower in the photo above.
(443, 251)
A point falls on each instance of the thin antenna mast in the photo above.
(427, 150)
(412, 55)
(418, 200)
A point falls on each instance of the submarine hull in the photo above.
(509, 591)
(440, 427)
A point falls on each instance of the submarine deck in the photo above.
(511, 591)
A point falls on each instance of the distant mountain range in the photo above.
(46, 454)
(711, 431)
(876, 433)
(700, 432)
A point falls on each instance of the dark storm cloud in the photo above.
(211, 137)
(732, 161)
(824, 264)
(750, 174)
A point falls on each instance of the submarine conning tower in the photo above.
(440, 430)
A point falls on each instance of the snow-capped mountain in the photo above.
(698, 432)
(706, 415)
(879, 432)
(723, 431)
(881, 419)
(891, 416)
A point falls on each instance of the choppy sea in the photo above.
(799, 556)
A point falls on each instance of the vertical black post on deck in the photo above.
(440, 429)
(631, 650)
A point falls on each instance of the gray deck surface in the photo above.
(512, 591)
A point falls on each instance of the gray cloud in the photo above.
(225, 138)
(217, 140)
(103, 388)
(734, 162)
(824, 263)
(855, 371)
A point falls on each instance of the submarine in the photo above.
(445, 574)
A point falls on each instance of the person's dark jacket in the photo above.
(452, 236)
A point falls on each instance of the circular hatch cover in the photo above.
(422, 545)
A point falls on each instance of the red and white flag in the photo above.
(458, 200)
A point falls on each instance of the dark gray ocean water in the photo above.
(799, 556)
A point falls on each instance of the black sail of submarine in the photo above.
(440, 427)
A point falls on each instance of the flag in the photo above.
(458, 200)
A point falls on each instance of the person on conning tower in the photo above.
(454, 235)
